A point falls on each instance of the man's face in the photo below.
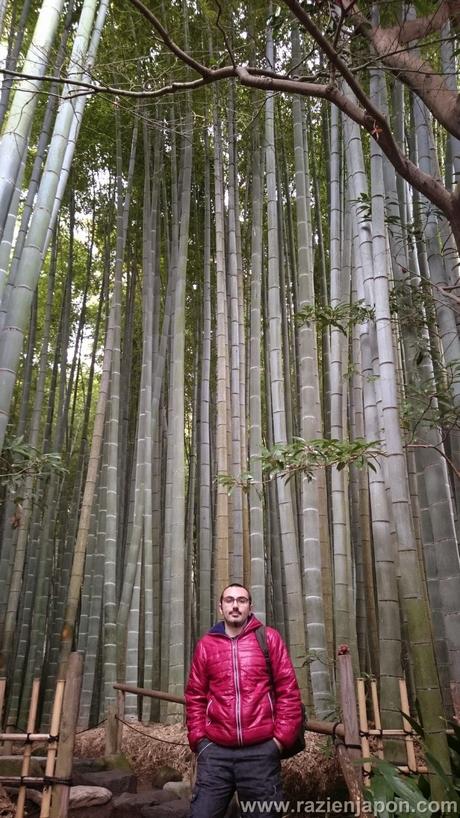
(235, 606)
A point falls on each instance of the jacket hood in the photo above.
(252, 624)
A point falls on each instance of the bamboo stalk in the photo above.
(363, 726)
(52, 747)
(405, 769)
(28, 748)
(377, 720)
(17, 780)
(388, 733)
(33, 738)
(409, 741)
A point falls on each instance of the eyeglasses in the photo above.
(240, 600)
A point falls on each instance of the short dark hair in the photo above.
(235, 585)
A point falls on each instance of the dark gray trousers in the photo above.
(253, 772)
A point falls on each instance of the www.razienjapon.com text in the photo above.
(328, 806)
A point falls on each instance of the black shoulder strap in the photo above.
(261, 637)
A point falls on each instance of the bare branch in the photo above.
(224, 35)
(377, 126)
(62, 80)
(328, 49)
(145, 93)
(168, 41)
(368, 116)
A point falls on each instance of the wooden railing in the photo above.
(351, 735)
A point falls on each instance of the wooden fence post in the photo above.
(70, 707)
(2, 697)
(111, 730)
(349, 753)
(52, 748)
(121, 716)
(455, 691)
(25, 767)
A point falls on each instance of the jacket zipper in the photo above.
(271, 705)
(239, 731)
(208, 709)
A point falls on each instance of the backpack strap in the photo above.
(261, 637)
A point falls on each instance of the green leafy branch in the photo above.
(342, 316)
(304, 457)
(19, 459)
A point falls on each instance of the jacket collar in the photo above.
(252, 624)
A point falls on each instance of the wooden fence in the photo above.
(60, 740)
(352, 735)
(357, 736)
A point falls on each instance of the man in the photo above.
(237, 724)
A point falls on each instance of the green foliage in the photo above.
(342, 316)
(411, 794)
(230, 482)
(305, 457)
(408, 301)
(389, 788)
(19, 460)
(431, 404)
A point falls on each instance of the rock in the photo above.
(175, 809)
(163, 774)
(130, 806)
(117, 781)
(99, 811)
(82, 796)
(181, 789)
(31, 795)
(79, 797)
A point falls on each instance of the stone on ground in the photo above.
(129, 805)
(175, 809)
(117, 781)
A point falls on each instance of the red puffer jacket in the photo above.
(228, 697)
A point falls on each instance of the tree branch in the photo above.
(367, 116)
(419, 28)
(373, 119)
(378, 128)
(168, 41)
(417, 74)
(414, 71)
(214, 75)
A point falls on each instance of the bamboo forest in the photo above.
(229, 343)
